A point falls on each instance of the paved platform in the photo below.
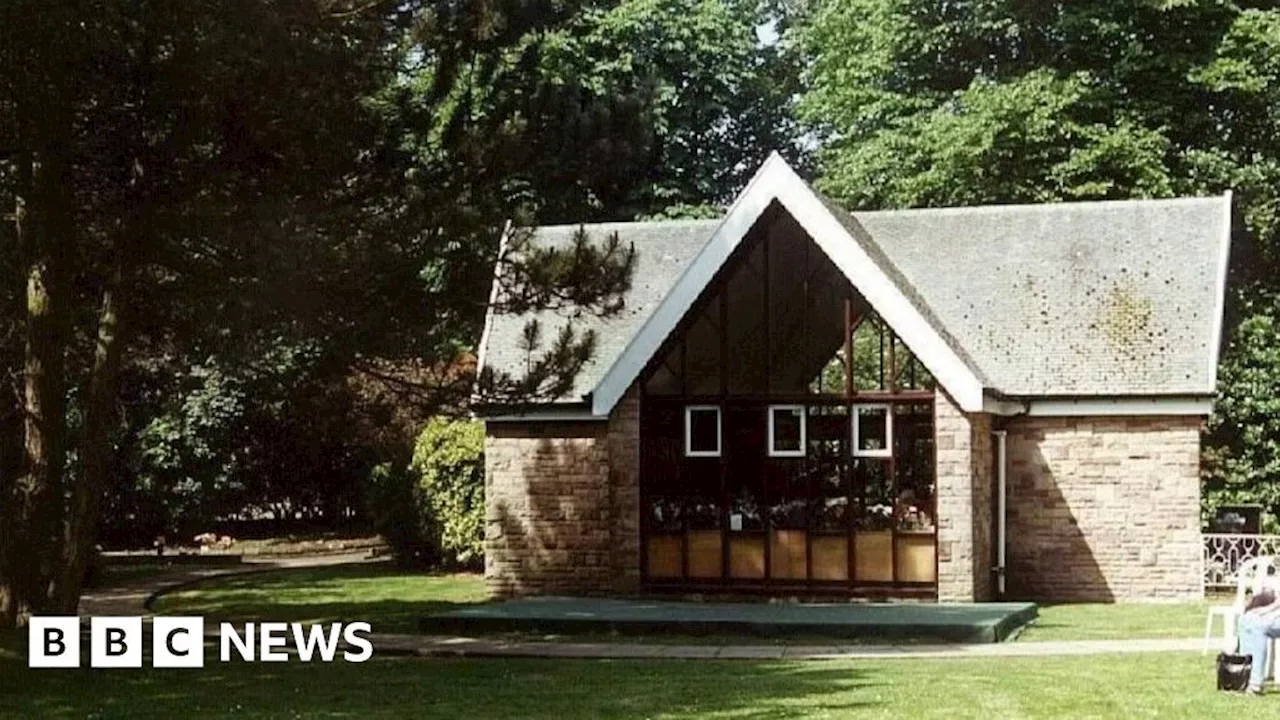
(901, 622)
(462, 647)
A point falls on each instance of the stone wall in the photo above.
(1098, 508)
(562, 505)
(1104, 508)
(624, 484)
(964, 487)
(982, 466)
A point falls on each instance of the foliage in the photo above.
(989, 100)
(432, 512)
(217, 235)
(154, 207)
(1025, 140)
(337, 185)
(1242, 455)
(210, 442)
(449, 461)
(593, 271)
(717, 101)
(686, 211)
(393, 505)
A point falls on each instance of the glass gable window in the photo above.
(786, 430)
(872, 431)
(786, 440)
(702, 431)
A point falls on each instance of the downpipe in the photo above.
(1001, 509)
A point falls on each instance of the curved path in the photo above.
(131, 596)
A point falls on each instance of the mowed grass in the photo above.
(1161, 685)
(389, 599)
(1099, 621)
(1166, 685)
(392, 601)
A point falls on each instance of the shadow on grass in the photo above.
(385, 688)
(1160, 685)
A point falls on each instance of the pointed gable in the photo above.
(870, 272)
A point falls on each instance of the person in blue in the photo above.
(1259, 624)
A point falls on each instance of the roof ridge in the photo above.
(625, 223)
(1052, 206)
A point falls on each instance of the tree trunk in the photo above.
(9, 595)
(35, 506)
(80, 530)
(81, 525)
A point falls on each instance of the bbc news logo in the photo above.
(179, 642)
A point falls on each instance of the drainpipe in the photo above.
(1001, 504)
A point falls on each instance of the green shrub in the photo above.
(448, 459)
(394, 508)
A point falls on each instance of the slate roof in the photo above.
(663, 250)
(1092, 299)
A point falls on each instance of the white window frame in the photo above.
(774, 452)
(887, 450)
(688, 431)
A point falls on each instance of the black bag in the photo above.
(1233, 671)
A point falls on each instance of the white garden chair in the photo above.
(1252, 576)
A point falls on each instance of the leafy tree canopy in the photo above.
(223, 210)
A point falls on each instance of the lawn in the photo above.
(1097, 621)
(1168, 685)
(390, 600)
(1160, 685)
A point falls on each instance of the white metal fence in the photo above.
(1223, 554)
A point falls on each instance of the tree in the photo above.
(215, 190)
(1243, 455)
(38, 115)
(200, 187)
(1075, 100)
(715, 102)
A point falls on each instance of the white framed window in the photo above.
(872, 430)
(702, 431)
(786, 431)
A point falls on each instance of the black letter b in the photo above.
(115, 642)
(54, 637)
